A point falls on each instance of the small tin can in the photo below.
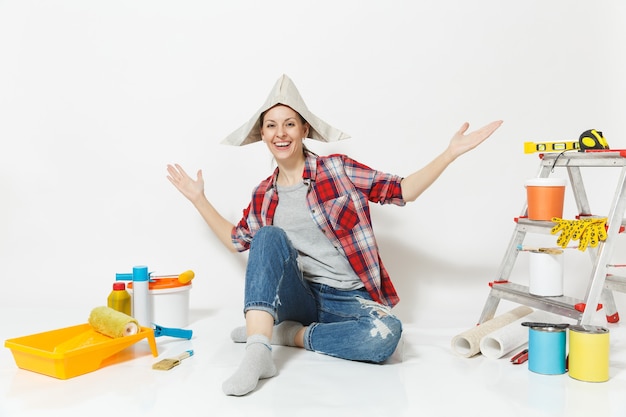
(589, 353)
(546, 350)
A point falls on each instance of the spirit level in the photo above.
(532, 147)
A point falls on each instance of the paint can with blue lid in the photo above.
(546, 348)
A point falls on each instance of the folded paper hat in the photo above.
(284, 92)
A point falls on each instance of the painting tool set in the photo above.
(153, 306)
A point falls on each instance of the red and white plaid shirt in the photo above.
(340, 189)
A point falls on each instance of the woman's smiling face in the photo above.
(282, 130)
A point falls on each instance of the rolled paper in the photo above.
(467, 344)
(512, 336)
(112, 323)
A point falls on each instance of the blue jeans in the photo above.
(344, 324)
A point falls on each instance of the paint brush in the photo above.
(549, 251)
(167, 364)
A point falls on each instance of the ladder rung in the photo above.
(565, 306)
(533, 226)
(541, 226)
(613, 158)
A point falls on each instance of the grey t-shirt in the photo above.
(319, 260)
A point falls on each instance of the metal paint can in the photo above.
(589, 353)
(545, 274)
(546, 350)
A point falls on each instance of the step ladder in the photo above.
(601, 285)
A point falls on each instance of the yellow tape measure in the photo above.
(593, 139)
(532, 147)
(589, 139)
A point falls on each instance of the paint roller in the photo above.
(106, 323)
(186, 276)
(112, 323)
(183, 277)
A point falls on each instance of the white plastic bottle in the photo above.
(142, 308)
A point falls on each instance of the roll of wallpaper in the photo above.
(512, 336)
(112, 323)
(467, 344)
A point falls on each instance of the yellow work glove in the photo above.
(594, 233)
(589, 231)
(566, 227)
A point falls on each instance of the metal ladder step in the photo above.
(564, 306)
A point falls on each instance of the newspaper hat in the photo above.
(284, 92)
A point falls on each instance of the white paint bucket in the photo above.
(545, 274)
(170, 302)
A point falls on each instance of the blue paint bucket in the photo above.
(546, 350)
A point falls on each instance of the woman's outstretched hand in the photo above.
(415, 184)
(190, 188)
(194, 191)
(461, 142)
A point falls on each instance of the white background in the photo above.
(96, 97)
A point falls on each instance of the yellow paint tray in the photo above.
(73, 351)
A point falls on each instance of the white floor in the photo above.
(424, 377)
